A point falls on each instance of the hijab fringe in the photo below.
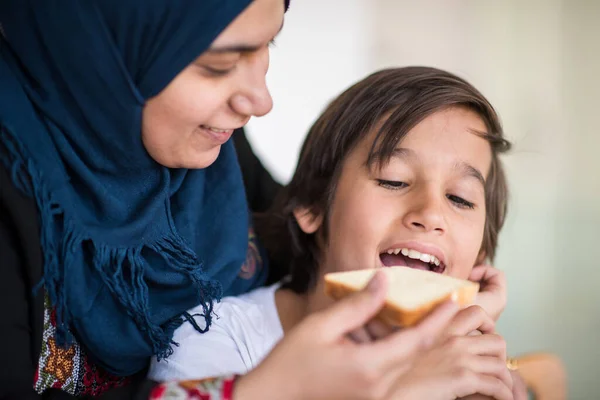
(121, 268)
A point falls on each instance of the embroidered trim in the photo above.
(204, 389)
(69, 369)
(254, 260)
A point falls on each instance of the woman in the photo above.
(122, 203)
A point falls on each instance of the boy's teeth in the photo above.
(414, 254)
(428, 258)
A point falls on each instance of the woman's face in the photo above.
(185, 125)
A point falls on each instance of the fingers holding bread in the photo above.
(412, 293)
(357, 308)
(471, 319)
(440, 351)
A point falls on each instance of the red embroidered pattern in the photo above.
(204, 389)
(69, 369)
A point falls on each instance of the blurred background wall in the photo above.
(538, 62)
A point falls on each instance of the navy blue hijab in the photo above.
(128, 244)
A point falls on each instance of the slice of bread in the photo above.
(412, 293)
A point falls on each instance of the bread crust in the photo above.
(393, 315)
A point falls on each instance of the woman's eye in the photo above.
(392, 185)
(460, 202)
(218, 71)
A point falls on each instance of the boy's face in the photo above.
(429, 200)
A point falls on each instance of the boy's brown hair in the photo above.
(402, 97)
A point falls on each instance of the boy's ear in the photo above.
(307, 220)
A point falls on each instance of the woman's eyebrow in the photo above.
(234, 48)
(241, 47)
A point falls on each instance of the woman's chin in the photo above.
(204, 159)
(190, 160)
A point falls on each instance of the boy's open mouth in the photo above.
(412, 259)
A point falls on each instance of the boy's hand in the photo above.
(519, 390)
(459, 368)
(492, 291)
(519, 386)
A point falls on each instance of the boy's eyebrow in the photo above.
(470, 171)
(239, 48)
(462, 167)
(402, 153)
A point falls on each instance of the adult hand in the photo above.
(318, 359)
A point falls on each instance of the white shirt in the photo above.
(244, 329)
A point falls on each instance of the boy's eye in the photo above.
(460, 202)
(392, 185)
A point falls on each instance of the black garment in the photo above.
(21, 268)
(261, 188)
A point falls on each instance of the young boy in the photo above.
(401, 169)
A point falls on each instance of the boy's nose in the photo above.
(426, 215)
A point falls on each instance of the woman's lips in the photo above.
(220, 136)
